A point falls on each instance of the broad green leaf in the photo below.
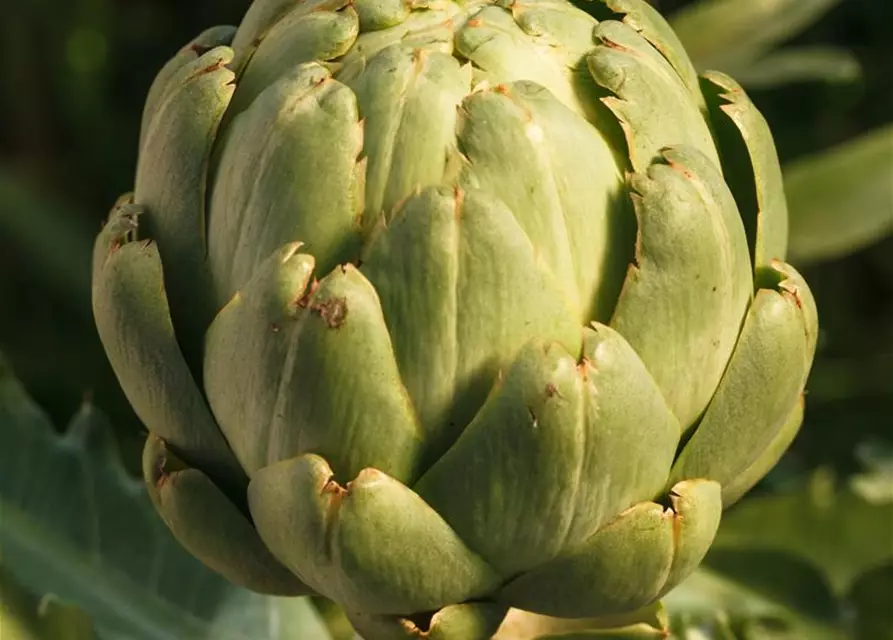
(24, 616)
(841, 200)
(801, 64)
(728, 34)
(834, 530)
(76, 525)
(724, 608)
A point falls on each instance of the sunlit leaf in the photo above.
(24, 616)
(841, 200)
(76, 525)
(728, 34)
(831, 528)
(722, 607)
(801, 64)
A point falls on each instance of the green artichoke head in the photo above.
(441, 307)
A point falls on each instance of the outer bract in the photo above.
(441, 308)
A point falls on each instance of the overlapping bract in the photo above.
(439, 308)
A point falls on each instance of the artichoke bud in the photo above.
(444, 308)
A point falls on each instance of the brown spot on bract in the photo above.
(411, 629)
(677, 528)
(160, 471)
(458, 201)
(303, 301)
(791, 290)
(685, 171)
(419, 625)
(418, 56)
(331, 486)
(333, 311)
(613, 44)
(211, 68)
(552, 390)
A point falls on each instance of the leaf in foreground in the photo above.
(835, 530)
(76, 525)
(26, 617)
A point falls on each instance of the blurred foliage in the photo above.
(72, 84)
(77, 525)
(26, 617)
(854, 176)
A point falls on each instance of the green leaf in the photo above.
(76, 525)
(713, 605)
(833, 529)
(729, 34)
(801, 64)
(841, 200)
(24, 616)
(871, 598)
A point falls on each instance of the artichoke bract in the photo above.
(438, 308)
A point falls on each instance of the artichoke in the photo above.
(441, 307)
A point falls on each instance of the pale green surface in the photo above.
(134, 323)
(629, 563)
(681, 304)
(477, 271)
(171, 181)
(750, 163)
(599, 435)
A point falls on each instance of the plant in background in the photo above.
(445, 308)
